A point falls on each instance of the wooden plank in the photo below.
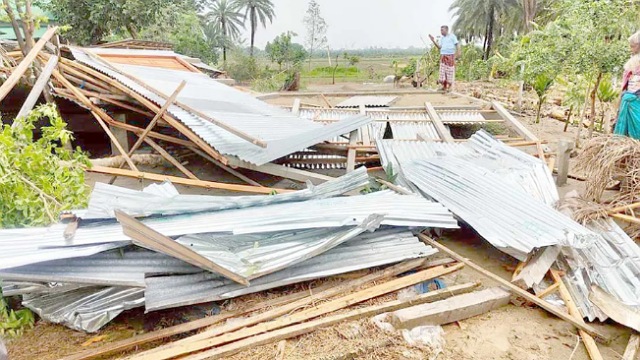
(120, 134)
(38, 87)
(189, 182)
(351, 153)
(98, 114)
(326, 101)
(624, 208)
(518, 127)
(548, 291)
(631, 352)
(274, 313)
(154, 240)
(615, 309)
(450, 310)
(19, 70)
(296, 106)
(186, 107)
(536, 267)
(442, 130)
(589, 342)
(142, 339)
(516, 290)
(304, 328)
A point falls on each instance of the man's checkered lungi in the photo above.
(447, 70)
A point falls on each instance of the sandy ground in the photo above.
(515, 332)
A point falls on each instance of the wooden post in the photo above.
(564, 153)
(588, 341)
(120, 135)
(38, 87)
(296, 106)
(24, 65)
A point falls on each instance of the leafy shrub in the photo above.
(13, 323)
(39, 178)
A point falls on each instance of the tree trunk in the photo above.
(15, 26)
(254, 22)
(484, 43)
(490, 34)
(530, 8)
(593, 104)
(540, 102)
(131, 28)
(566, 123)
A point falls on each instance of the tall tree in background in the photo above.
(223, 22)
(258, 12)
(316, 29)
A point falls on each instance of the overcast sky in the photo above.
(362, 23)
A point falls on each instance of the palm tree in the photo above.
(223, 22)
(258, 11)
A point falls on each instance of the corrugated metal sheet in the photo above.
(253, 256)
(85, 309)
(461, 117)
(612, 263)
(113, 268)
(514, 166)
(367, 101)
(165, 200)
(367, 251)
(283, 132)
(331, 114)
(405, 130)
(505, 215)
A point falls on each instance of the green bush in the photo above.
(341, 71)
(39, 178)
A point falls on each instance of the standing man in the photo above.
(449, 51)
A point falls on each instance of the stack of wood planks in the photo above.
(291, 315)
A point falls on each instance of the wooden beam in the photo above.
(274, 313)
(98, 114)
(296, 107)
(313, 312)
(125, 344)
(588, 341)
(182, 181)
(19, 70)
(186, 107)
(38, 87)
(627, 218)
(301, 329)
(516, 290)
(326, 101)
(151, 239)
(517, 126)
(548, 291)
(448, 311)
(442, 130)
(631, 352)
(536, 267)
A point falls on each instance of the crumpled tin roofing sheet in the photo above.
(252, 256)
(113, 268)
(283, 132)
(613, 263)
(165, 200)
(85, 309)
(367, 251)
(367, 101)
(379, 115)
(514, 166)
(506, 216)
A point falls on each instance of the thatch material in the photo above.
(609, 158)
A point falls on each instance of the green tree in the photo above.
(258, 12)
(223, 24)
(93, 20)
(283, 51)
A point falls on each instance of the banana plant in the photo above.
(607, 94)
(541, 85)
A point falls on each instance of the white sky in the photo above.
(358, 24)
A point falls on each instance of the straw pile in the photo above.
(610, 158)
